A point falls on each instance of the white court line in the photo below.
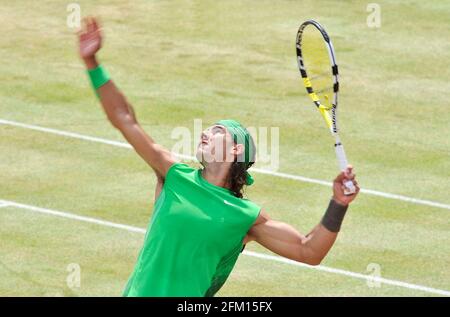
(4, 205)
(72, 216)
(248, 253)
(258, 170)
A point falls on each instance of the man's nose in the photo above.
(204, 136)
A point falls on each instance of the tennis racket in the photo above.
(317, 64)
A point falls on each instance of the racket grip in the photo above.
(349, 187)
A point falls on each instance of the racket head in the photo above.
(318, 68)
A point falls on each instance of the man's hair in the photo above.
(238, 170)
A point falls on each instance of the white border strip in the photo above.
(258, 170)
(248, 253)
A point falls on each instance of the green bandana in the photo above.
(241, 136)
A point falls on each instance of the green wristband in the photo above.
(98, 76)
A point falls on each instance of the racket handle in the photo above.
(349, 188)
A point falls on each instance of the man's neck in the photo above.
(216, 174)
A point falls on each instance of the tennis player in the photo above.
(201, 222)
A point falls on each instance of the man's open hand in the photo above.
(90, 38)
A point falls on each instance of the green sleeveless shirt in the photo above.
(194, 237)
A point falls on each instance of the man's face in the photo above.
(215, 145)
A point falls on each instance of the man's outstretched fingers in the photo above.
(95, 24)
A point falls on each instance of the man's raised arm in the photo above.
(119, 112)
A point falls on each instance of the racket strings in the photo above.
(325, 74)
(317, 66)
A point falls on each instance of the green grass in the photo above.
(177, 61)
